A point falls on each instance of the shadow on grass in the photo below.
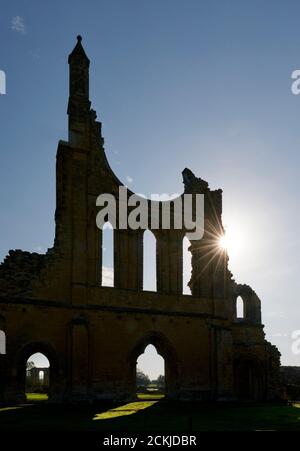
(150, 415)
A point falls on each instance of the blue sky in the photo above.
(198, 84)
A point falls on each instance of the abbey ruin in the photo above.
(92, 335)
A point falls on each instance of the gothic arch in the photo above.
(251, 303)
(29, 349)
(249, 381)
(165, 349)
(239, 308)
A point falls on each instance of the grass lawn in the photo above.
(148, 413)
(34, 397)
(149, 396)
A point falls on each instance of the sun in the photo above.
(232, 241)
(223, 242)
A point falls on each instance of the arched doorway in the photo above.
(43, 358)
(164, 348)
(248, 379)
(150, 372)
(37, 376)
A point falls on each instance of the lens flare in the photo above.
(232, 241)
(223, 242)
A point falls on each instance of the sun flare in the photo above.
(223, 242)
(232, 241)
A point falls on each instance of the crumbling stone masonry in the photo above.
(92, 335)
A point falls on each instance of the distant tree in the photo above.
(30, 365)
(160, 382)
(141, 378)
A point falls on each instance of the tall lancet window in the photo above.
(107, 255)
(149, 264)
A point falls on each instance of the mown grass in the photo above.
(35, 397)
(149, 414)
(146, 396)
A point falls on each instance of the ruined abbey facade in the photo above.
(92, 335)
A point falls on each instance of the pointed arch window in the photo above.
(149, 261)
(107, 274)
(187, 266)
(240, 314)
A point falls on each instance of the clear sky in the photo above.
(198, 84)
